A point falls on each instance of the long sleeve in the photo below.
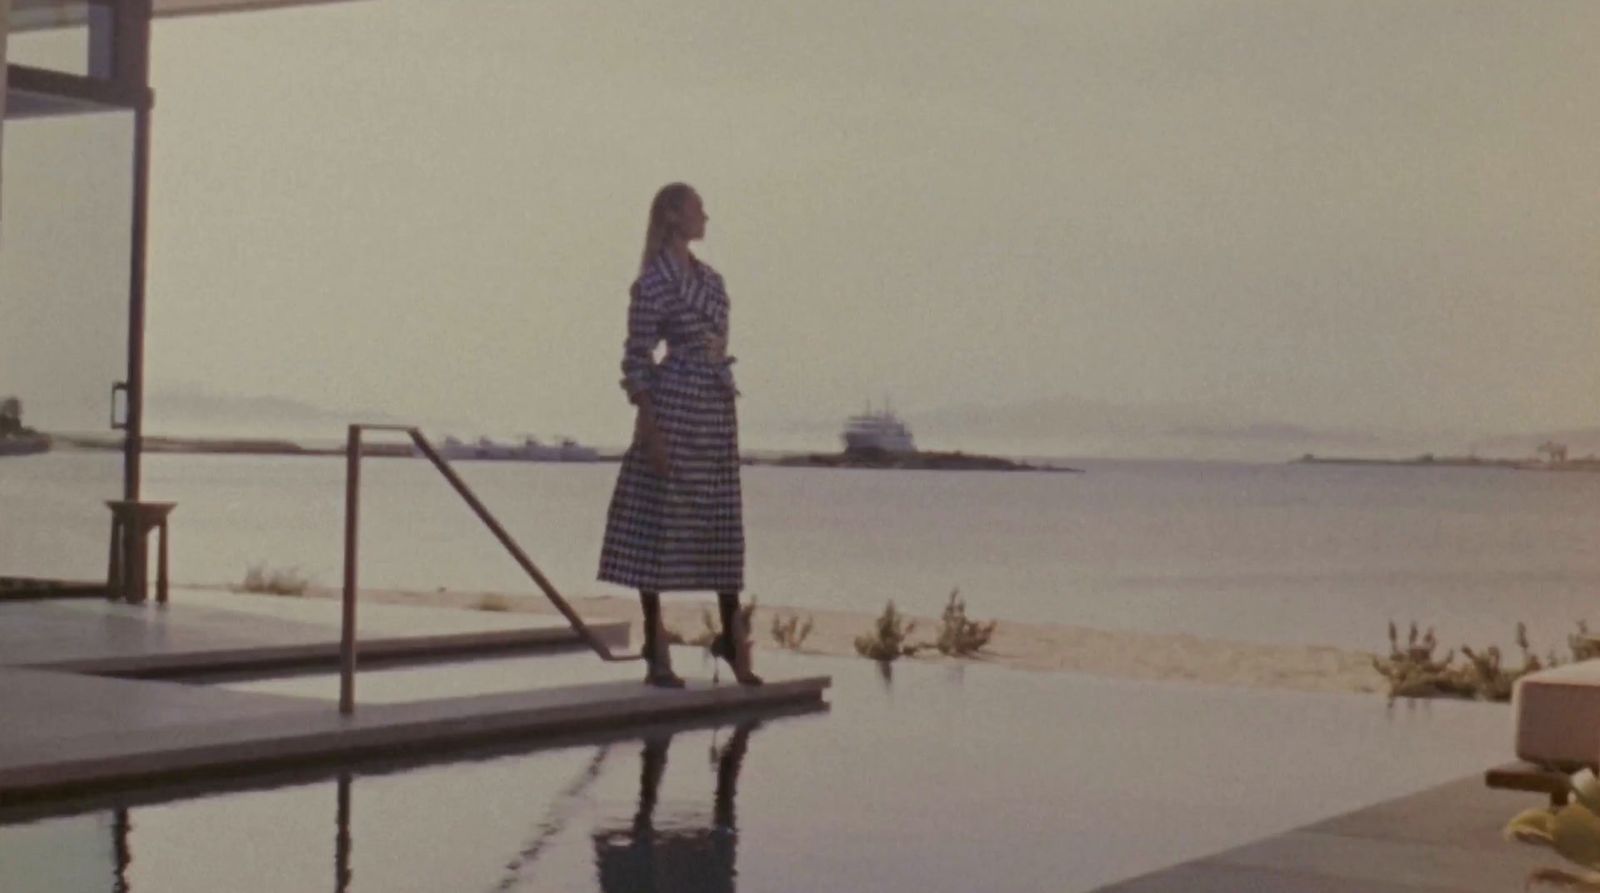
(644, 333)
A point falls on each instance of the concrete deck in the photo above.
(217, 631)
(1447, 838)
(66, 732)
(33, 589)
(70, 727)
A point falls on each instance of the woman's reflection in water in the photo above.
(644, 857)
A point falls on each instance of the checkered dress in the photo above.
(684, 530)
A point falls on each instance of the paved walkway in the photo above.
(1447, 838)
(66, 731)
(218, 630)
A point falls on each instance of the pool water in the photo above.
(934, 777)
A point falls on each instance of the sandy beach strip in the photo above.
(1041, 647)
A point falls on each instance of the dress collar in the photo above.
(675, 270)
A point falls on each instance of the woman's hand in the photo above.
(717, 347)
(649, 438)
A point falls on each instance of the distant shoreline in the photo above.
(1423, 461)
(920, 460)
(1430, 461)
(227, 446)
(245, 446)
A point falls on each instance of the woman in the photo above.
(682, 855)
(676, 520)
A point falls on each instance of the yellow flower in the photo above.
(1573, 831)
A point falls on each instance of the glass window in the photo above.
(64, 271)
(49, 34)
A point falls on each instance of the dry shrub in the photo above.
(889, 638)
(1413, 671)
(790, 631)
(493, 603)
(258, 578)
(958, 636)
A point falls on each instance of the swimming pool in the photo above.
(938, 778)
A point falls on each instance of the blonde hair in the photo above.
(669, 198)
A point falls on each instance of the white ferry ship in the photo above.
(881, 431)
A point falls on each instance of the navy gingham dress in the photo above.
(684, 530)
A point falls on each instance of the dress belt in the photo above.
(698, 357)
(723, 366)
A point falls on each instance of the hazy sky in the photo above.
(1351, 215)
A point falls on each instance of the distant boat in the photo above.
(24, 445)
(17, 439)
(881, 431)
(530, 450)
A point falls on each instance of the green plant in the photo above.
(1483, 675)
(709, 630)
(1487, 680)
(1412, 671)
(1573, 831)
(259, 578)
(790, 632)
(1582, 645)
(711, 627)
(889, 638)
(959, 636)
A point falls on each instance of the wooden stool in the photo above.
(127, 575)
(1520, 776)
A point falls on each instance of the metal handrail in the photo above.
(352, 520)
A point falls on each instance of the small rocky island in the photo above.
(881, 440)
(872, 457)
(17, 439)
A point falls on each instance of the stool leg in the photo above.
(114, 562)
(138, 563)
(161, 565)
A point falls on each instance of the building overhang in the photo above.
(34, 15)
(37, 92)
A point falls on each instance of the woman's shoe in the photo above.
(659, 678)
(658, 667)
(658, 671)
(739, 662)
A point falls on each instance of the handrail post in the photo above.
(352, 509)
(510, 544)
(352, 516)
